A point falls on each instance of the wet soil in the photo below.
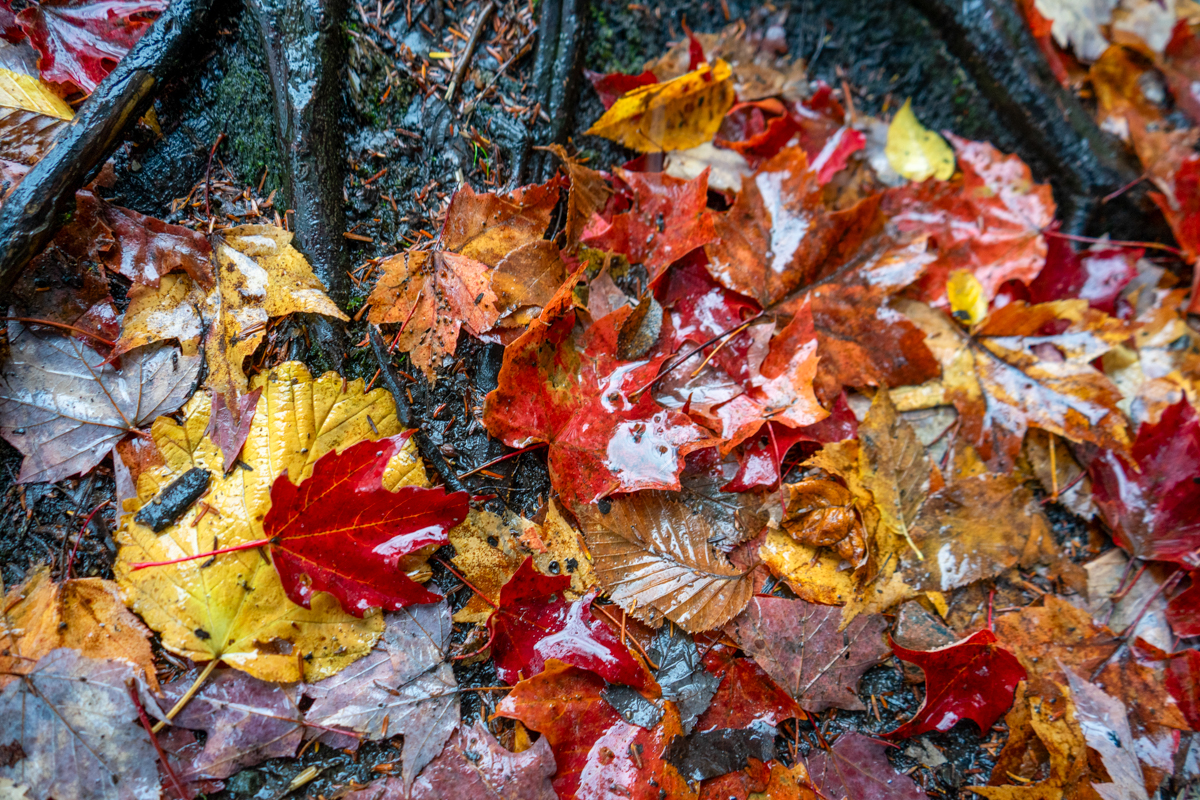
(406, 151)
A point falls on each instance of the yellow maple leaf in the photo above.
(233, 607)
(968, 301)
(676, 115)
(27, 93)
(916, 152)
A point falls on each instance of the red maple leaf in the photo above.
(989, 221)
(1183, 682)
(605, 433)
(341, 532)
(667, 218)
(535, 623)
(1183, 612)
(1152, 504)
(1097, 276)
(745, 695)
(80, 41)
(614, 84)
(761, 458)
(972, 679)
(598, 754)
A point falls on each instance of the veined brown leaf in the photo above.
(651, 553)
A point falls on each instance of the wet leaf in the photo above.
(710, 754)
(652, 555)
(681, 674)
(971, 679)
(1098, 275)
(71, 720)
(486, 227)
(667, 218)
(965, 293)
(746, 694)
(675, 115)
(800, 647)
(916, 152)
(988, 222)
(342, 531)
(611, 86)
(1151, 500)
(534, 624)
(474, 764)
(245, 721)
(80, 41)
(1106, 728)
(235, 607)
(574, 393)
(259, 276)
(1008, 376)
(31, 117)
(405, 686)
(1183, 682)
(588, 194)
(434, 294)
(855, 766)
(821, 514)
(229, 425)
(64, 407)
(84, 614)
(1076, 24)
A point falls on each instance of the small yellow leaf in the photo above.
(967, 299)
(916, 152)
(676, 115)
(27, 93)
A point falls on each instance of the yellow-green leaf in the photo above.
(916, 152)
(967, 298)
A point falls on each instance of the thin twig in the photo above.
(208, 171)
(187, 696)
(505, 457)
(524, 47)
(83, 532)
(464, 61)
(63, 325)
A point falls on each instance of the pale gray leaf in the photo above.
(1105, 724)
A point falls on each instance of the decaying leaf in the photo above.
(916, 152)
(486, 227)
(1106, 728)
(856, 767)
(31, 117)
(800, 646)
(588, 194)
(84, 614)
(652, 555)
(681, 674)
(64, 407)
(235, 607)
(69, 724)
(405, 686)
(675, 115)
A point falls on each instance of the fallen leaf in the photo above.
(1183, 682)
(1183, 611)
(84, 614)
(577, 395)
(587, 196)
(534, 624)
(1106, 728)
(31, 117)
(710, 754)
(681, 675)
(526, 279)
(486, 227)
(611, 86)
(474, 764)
(971, 679)
(70, 723)
(1076, 24)
(1098, 275)
(726, 168)
(229, 425)
(405, 686)
(235, 608)
(245, 721)
(488, 552)
(80, 41)
(64, 407)
(259, 276)
(1150, 500)
(1006, 375)
(434, 294)
(675, 115)
(821, 513)
(651, 554)
(916, 152)
(667, 218)
(856, 767)
(745, 695)
(801, 648)
(965, 293)
(341, 531)
(989, 222)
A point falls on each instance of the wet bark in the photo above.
(557, 77)
(45, 198)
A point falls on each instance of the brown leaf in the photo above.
(229, 425)
(800, 646)
(652, 555)
(487, 227)
(1005, 376)
(528, 277)
(64, 407)
(821, 514)
(434, 294)
(86, 614)
(588, 195)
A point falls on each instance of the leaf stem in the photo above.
(64, 326)
(468, 584)
(514, 453)
(187, 696)
(162, 757)
(230, 549)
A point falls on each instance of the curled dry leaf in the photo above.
(821, 514)
(800, 645)
(404, 686)
(652, 555)
(1007, 376)
(675, 115)
(70, 723)
(64, 406)
(84, 614)
(235, 607)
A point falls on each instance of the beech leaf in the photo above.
(64, 407)
(652, 555)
